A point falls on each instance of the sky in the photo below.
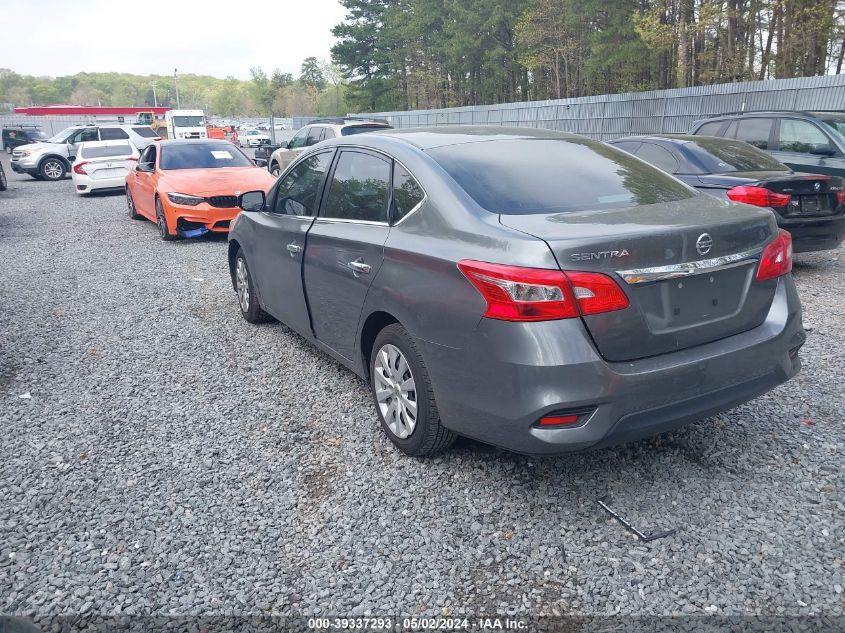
(214, 37)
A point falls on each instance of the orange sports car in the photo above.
(190, 188)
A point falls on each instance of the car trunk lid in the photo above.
(687, 267)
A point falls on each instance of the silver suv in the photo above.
(51, 159)
(320, 130)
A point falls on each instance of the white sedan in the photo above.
(253, 138)
(103, 165)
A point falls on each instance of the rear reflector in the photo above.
(758, 196)
(776, 259)
(559, 420)
(516, 293)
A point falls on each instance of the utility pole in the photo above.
(176, 82)
(155, 99)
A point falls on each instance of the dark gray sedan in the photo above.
(539, 291)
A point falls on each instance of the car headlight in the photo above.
(185, 199)
(23, 153)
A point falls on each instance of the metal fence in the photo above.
(658, 111)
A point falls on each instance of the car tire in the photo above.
(3, 183)
(161, 220)
(403, 395)
(130, 203)
(52, 169)
(8, 149)
(248, 303)
(275, 170)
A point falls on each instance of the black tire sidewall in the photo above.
(166, 235)
(133, 213)
(3, 182)
(396, 335)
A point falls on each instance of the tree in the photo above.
(311, 74)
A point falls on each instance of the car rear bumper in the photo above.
(814, 234)
(86, 185)
(497, 388)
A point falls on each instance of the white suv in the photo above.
(51, 159)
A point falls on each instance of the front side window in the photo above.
(298, 190)
(710, 129)
(800, 136)
(198, 155)
(407, 192)
(85, 135)
(299, 139)
(314, 136)
(755, 132)
(112, 134)
(358, 190)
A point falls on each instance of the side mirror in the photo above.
(289, 144)
(822, 149)
(251, 201)
(145, 167)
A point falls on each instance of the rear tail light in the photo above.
(776, 259)
(840, 198)
(758, 196)
(515, 293)
(79, 169)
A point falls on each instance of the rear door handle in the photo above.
(293, 249)
(358, 267)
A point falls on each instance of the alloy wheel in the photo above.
(162, 221)
(242, 284)
(396, 391)
(53, 169)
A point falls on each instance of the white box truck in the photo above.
(187, 124)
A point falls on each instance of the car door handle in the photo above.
(293, 249)
(358, 267)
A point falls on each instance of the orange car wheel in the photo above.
(161, 218)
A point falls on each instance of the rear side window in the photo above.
(123, 149)
(358, 190)
(112, 134)
(361, 129)
(710, 129)
(146, 132)
(298, 190)
(525, 176)
(755, 132)
(800, 136)
(407, 192)
(658, 156)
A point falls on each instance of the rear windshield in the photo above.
(197, 155)
(146, 132)
(360, 129)
(124, 149)
(525, 176)
(721, 156)
(189, 121)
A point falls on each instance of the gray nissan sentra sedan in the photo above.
(535, 290)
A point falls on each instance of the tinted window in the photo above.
(755, 132)
(123, 149)
(315, 135)
(298, 190)
(82, 136)
(800, 136)
(522, 176)
(146, 132)
(359, 188)
(112, 134)
(628, 146)
(722, 156)
(360, 129)
(407, 192)
(299, 139)
(710, 129)
(197, 155)
(658, 156)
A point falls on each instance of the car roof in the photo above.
(426, 138)
(674, 139)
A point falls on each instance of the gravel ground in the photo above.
(173, 459)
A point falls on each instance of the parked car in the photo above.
(809, 206)
(252, 138)
(102, 165)
(190, 187)
(51, 159)
(804, 141)
(17, 135)
(3, 182)
(280, 126)
(316, 131)
(539, 291)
